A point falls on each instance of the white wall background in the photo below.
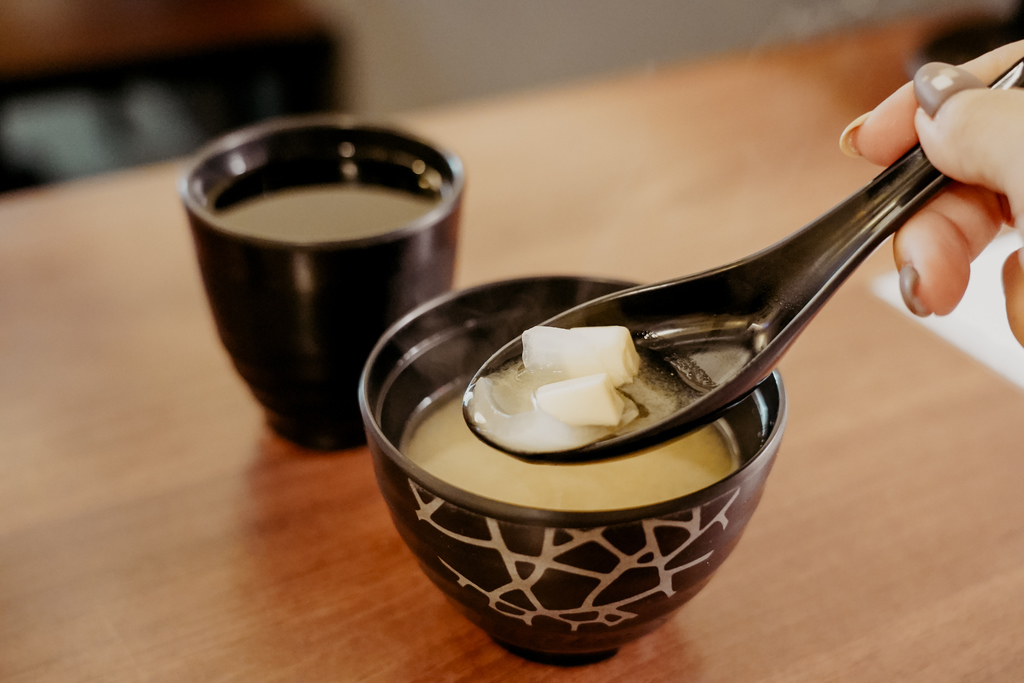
(402, 54)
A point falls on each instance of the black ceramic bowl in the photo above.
(565, 587)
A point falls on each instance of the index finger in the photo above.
(888, 131)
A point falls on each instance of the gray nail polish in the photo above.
(908, 286)
(935, 82)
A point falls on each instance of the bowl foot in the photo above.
(559, 658)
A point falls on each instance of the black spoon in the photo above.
(719, 333)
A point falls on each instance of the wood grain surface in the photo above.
(152, 529)
(48, 38)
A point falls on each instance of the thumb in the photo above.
(974, 138)
(1013, 285)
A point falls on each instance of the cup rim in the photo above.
(513, 512)
(448, 204)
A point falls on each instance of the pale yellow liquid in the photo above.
(443, 445)
(322, 213)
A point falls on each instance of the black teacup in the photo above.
(313, 234)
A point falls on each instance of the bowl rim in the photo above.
(522, 514)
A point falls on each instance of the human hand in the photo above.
(977, 139)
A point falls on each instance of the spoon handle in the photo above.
(829, 249)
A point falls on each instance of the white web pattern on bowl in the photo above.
(607, 614)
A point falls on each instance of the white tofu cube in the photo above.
(582, 401)
(582, 351)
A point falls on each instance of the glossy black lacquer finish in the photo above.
(299, 320)
(560, 587)
(723, 331)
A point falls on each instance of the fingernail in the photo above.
(935, 82)
(846, 139)
(908, 288)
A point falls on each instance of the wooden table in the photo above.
(152, 529)
(53, 42)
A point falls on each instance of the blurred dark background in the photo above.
(88, 86)
(92, 85)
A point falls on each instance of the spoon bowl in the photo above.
(717, 334)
